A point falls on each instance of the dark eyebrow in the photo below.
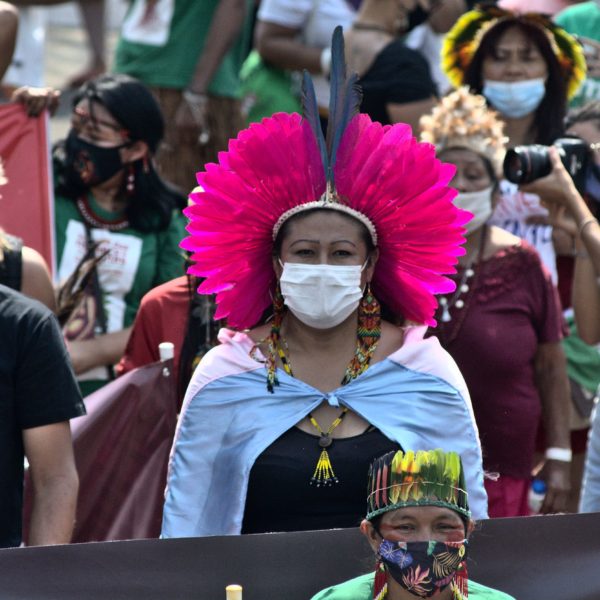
(399, 518)
(318, 241)
(304, 242)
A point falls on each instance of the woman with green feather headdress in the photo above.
(417, 523)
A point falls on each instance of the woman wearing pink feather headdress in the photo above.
(280, 422)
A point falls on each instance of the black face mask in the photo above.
(91, 165)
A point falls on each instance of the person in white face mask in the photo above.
(325, 261)
(527, 67)
(502, 325)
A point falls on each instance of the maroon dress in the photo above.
(510, 308)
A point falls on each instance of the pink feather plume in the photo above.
(275, 165)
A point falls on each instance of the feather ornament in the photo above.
(344, 101)
(283, 162)
(422, 478)
(310, 111)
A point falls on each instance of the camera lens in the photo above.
(524, 164)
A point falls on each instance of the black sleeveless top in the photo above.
(280, 497)
(11, 265)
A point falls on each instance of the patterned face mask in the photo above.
(423, 568)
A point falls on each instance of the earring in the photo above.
(369, 318)
(130, 186)
(368, 333)
(146, 164)
(278, 312)
(380, 586)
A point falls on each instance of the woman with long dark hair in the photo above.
(111, 202)
(503, 294)
(527, 68)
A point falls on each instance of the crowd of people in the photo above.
(404, 280)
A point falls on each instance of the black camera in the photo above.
(524, 164)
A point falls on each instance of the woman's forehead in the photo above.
(463, 156)
(325, 224)
(515, 37)
(420, 514)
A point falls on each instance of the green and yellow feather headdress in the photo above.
(423, 478)
(463, 40)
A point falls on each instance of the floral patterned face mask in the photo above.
(423, 568)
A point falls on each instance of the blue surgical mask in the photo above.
(515, 99)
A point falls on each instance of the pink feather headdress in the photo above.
(275, 167)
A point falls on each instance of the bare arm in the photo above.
(36, 279)
(102, 350)
(558, 188)
(553, 387)
(9, 24)
(445, 13)
(49, 451)
(225, 27)
(278, 45)
(586, 296)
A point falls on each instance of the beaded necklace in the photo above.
(324, 474)
(447, 332)
(368, 333)
(97, 222)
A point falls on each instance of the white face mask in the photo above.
(478, 203)
(321, 296)
(515, 99)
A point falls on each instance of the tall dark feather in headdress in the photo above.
(344, 101)
(310, 110)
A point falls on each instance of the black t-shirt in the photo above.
(37, 387)
(280, 497)
(398, 75)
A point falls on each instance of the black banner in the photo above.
(533, 558)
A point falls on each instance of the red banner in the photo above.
(26, 199)
(121, 450)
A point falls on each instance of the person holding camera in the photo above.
(527, 68)
(524, 165)
(574, 214)
(503, 295)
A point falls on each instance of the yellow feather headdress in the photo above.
(463, 40)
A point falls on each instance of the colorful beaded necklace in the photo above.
(93, 220)
(368, 333)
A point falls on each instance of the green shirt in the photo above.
(583, 361)
(137, 262)
(584, 20)
(361, 588)
(164, 53)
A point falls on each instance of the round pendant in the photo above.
(325, 440)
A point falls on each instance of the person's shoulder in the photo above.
(17, 305)
(504, 243)
(173, 291)
(398, 52)
(478, 591)
(501, 239)
(576, 12)
(358, 588)
(24, 319)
